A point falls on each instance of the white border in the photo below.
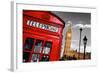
(13, 37)
(17, 37)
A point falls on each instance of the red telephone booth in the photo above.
(42, 36)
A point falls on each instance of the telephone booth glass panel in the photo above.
(38, 46)
(26, 56)
(35, 57)
(47, 47)
(28, 43)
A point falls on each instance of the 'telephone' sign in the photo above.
(42, 26)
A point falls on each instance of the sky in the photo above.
(78, 20)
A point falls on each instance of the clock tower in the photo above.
(68, 39)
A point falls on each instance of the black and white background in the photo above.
(78, 20)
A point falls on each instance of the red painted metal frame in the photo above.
(45, 35)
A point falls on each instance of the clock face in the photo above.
(69, 34)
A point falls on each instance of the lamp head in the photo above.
(85, 40)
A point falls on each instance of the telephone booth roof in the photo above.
(45, 15)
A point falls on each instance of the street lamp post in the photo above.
(80, 43)
(85, 42)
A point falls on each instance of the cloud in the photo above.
(75, 41)
(82, 26)
(75, 46)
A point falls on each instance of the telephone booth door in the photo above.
(39, 49)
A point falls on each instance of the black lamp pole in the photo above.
(85, 42)
(80, 43)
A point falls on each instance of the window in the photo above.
(45, 58)
(35, 57)
(26, 56)
(29, 43)
(40, 52)
(47, 47)
(38, 46)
